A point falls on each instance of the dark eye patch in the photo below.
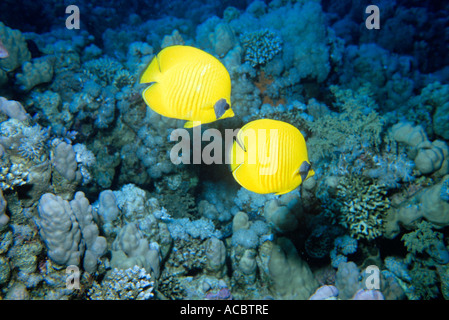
(220, 108)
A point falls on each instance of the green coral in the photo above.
(122, 79)
(422, 239)
(260, 46)
(363, 205)
(443, 272)
(35, 72)
(430, 108)
(15, 43)
(105, 69)
(170, 287)
(424, 283)
(352, 127)
(129, 284)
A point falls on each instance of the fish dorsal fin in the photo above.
(168, 58)
(152, 72)
(174, 55)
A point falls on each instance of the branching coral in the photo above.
(425, 240)
(130, 284)
(358, 126)
(260, 46)
(103, 68)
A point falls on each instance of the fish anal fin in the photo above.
(192, 124)
(283, 192)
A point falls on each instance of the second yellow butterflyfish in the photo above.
(189, 84)
(270, 156)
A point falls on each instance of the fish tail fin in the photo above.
(151, 72)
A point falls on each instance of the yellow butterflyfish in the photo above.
(270, 156)
(189, 84)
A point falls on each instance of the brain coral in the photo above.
(363, 205)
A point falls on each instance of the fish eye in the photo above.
(226, 107)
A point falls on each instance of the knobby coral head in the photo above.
(3, 52)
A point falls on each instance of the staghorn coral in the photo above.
(363, 204)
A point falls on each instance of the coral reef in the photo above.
(14, 42)
(260, 46)
(427, 204)
(129, 284)
(363, 206)
(89, 191)
(64, 224)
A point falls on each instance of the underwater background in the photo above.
(92, 207)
